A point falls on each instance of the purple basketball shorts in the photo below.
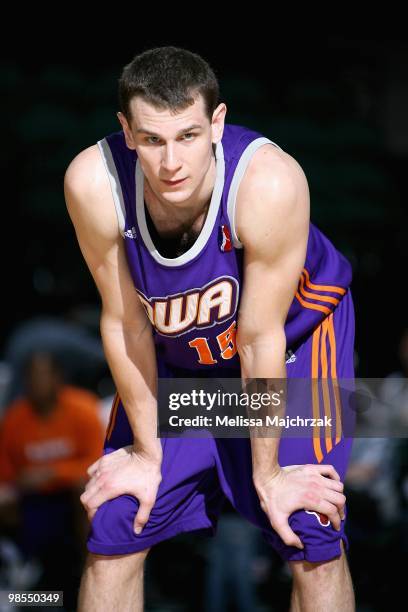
(198, 473)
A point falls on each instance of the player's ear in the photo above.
(217, 124)
(126, 129)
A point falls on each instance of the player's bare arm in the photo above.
(126, 335)
(272, 221)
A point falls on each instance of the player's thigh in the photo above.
(320, 384)
(188, 498)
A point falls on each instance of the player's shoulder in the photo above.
(85, 170)
(274, 187)
(88, 195)
(271, 165)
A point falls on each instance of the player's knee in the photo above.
(317, 573)
(106, 568)
(306, 571)
(107, 579)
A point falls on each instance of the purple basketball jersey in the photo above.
(192, 300)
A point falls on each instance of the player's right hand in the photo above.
(295, 487)
(123, 471)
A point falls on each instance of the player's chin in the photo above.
(177, 200)
(177, 193)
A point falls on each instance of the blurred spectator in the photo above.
(71, 339)
(372, 471)
(375, 513)
(48, 438)
(230, 573)
(5, 382)
(394, 388)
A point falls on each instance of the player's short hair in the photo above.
(168, 78)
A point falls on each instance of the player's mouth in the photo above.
(174, 182)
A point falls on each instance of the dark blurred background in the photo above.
(338, 104)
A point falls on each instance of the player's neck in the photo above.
(191, 212)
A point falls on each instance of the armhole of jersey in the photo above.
(236, 180)
(114, 181)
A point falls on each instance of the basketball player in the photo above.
(197, 235)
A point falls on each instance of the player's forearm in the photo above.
(130, 354)
(263, 370)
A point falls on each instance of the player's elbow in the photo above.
(111, 324)
(252, 344)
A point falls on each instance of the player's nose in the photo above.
(170, 161)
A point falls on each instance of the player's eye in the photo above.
(156, 139)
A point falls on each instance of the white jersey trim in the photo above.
(208, 226)
(236, 180)
(114, 182)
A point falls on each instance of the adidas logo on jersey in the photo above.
(130, 233)
(290, 356)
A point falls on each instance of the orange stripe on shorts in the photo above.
(333, 350)
(332, 288)
(325, 384)
(315, 296)
(315, 393)
(324, 309)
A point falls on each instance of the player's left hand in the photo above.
(294, 487)
(123, 471)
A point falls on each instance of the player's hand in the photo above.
(295, 487)
(123, 471)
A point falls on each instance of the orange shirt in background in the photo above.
(69, 439)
